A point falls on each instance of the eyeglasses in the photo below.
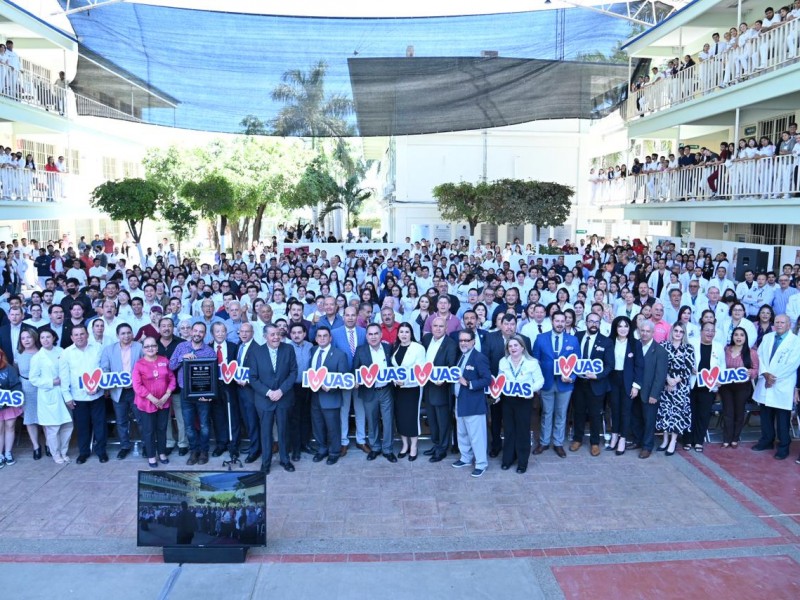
(149, 346)
(464, 340)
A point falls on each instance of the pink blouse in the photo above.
(152, 377)
(736, 362)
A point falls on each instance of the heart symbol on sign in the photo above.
(423, 372)
(709, 377)
(496, 388)
(228, 370)
(91, 381)
(316, 377)
(566, 364)
(369, 374)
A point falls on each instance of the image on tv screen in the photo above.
(202, 508)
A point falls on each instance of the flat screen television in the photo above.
(201, 508)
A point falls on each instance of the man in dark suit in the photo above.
(326, 403)
(494, 347)
(347, 339)
(247, 405)
(273, 370)
(442, 352)
(591, 388)
(226, 394)
(654, 378)
(471, 405)
(470, 320)
(9, 333)
(378, 401)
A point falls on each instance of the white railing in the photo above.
(776, 48)
(29, 88)
(33, 186)
(771, 177)
(87, 107)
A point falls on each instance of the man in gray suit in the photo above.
(327, 402)
(645, 408)
(120, 357)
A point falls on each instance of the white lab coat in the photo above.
(783, 366)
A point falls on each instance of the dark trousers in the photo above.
(775, 420)
(496, 413)
(154, 431)
(125, 411)
(701, 401)
(248, 409)
(644, 423)
(300, 419)
(734, 398)
(196, 413)
(379, 411)
(90, 421)
(517, 429)
(224, 438)
(439, 423)
(585, 402)
(621, 405)
(327, 426)
(268, 413)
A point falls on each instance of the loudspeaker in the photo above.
(205, 554)
(750, 258)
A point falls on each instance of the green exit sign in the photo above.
(580, 231)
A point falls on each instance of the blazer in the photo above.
(264, 378)
(783, 365)
(493, 346)
(415, 355)
(447, 356)
(336, 361)
(246, 391)
(654, 373)
(5, 342)
(603, 350)
(363, 357)
(479, 333)
(471, 398)
(543, 352)
(339, 340)
(633, 367)
(231, 351)
(111, 360)
(717, 359)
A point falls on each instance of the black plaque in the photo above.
(200, 378)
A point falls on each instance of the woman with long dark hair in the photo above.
(626, 380)
(734, 396)
(408, 395)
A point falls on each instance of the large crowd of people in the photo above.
(668, 327)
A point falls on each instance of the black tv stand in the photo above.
(205, 554)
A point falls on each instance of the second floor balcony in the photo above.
(28, 185)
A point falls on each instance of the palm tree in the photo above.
(350, 199)
(308, 112)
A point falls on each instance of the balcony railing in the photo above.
(88, 107)
(27, 185)
(768, 51)
(32, 89)
(770, 177)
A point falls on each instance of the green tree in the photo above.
(180, 217)
(130, 200)
(315, 187)
(350, 199)
(308, 112)
(470, 202)
(538, 203)
(213, 196)
(252, 125)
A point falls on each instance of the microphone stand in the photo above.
(233, 456)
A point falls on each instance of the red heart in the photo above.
(497, 386)
(369, 375)
(566, 364)
(316, 377)
(709, 377)
(423, 372)
(228, 370)
(91, 381)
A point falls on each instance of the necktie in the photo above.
(660, 284)
(556, 345)
(240, 354)
(586, 347)
(716, 49)
(219, 354)
(319, 359)
(540, 328)
(351, 338)
(775, 344)
(274, 358)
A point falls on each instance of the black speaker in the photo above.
(205, 554)
(750, 258)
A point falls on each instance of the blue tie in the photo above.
(775, 344)
(319, 359)
(240, 355)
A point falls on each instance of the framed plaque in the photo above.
(200, 378)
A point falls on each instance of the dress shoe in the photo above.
(662, 448)
(152, 465)
(122, 454)
(343, 451)
(81, 459)
(373, 455)
(183, 451)
(364, 448)
(521, 470)
(436, 458)
(645, 454)
(332, 460)
(193, 458)
(429, 452)
(668, 453)
(307, 449)
(402, 454)
(37, 454)
(494, 453)
(252, 458)
(319, 457)
(560, 451)
(412, 457)
(169, 450)
(288, 467)
(103, 457)
(781, 455)
(203, 458)
(47, 452)
(219, 451)
(761, 447)
(595, 450)
(393, 459)
(505, 467)
(296, 456)
(539, 449)
(163, 461)
(575, 446)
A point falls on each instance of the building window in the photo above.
(38, 150)
(74, 162)
(109, 168)
(130, 169)
(772, 128)
(772, 235)
(43, 230)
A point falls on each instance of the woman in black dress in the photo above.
(407, 353)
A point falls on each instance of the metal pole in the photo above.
(736, 127)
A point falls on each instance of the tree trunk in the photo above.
(223, 223)
(257, 221)
(214, 233)
(472, 240)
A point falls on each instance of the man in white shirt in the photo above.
(539, 324)
(745, 286)
(757, 296)
(720, 281)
